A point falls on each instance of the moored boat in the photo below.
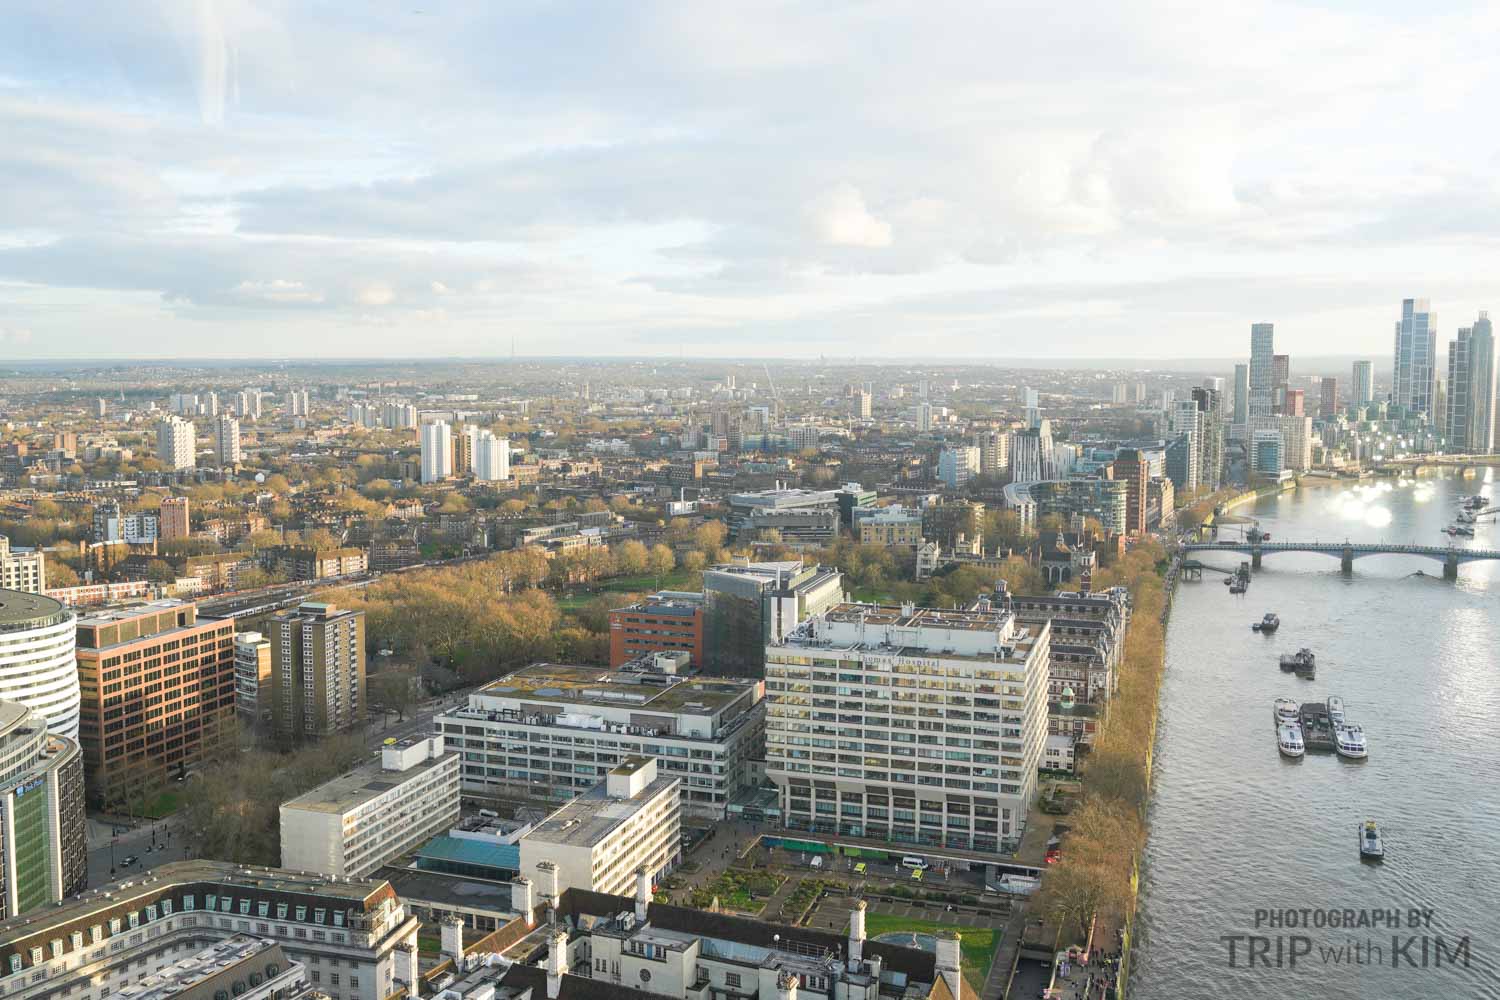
(1349, 741)
(1289, 741)
(1284, 712)
(1302, 661)
(1335, 710)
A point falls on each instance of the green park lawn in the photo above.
(977, 944)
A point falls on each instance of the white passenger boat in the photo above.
(1349, 741)
(1289, 741)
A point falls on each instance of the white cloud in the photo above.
(842, 219)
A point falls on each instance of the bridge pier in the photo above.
(1346, 560)
(1450, 567)
(1255, 558)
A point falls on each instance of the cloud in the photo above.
(841, 218)
(14, 336)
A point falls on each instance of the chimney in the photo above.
(549, 888)
(522, 900)
(453, 939)
(557, 962)
(856, 935)
(948, 952)
(786, 986)
(642, 893)
(406, 966)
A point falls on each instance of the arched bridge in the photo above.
(1451, 556)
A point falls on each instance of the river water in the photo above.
(1237, 828)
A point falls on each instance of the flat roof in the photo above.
(903, 617)
(594, 815)
(354, 788)
(18, 608)
(113, 616)
(601, 687)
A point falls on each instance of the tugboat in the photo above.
(1369, 841)
(1289, 740)
(1349, 741)
(1302, 662)
(1268, 624)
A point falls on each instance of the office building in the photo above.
(183, 404)
(38, 641)
(244, 966)
(1262, 376)
(252, 677)
(924, 418)
(1364, 383)
(1266, 451)
(762, 503)
(853, 498)
(437, 451)
(227, 440)
(626, 825)
(43, 839)
(157, 688)
(303, 562)
(370, 816)
(749, 604)
(491, 458)
(1328, 398)
(1104, 500)
(317, 671)
(22, 571)
(176, 446)
(664, 623)
(552, 731)
(1210, 400)
(1241, 394)
(942, 713)
(1295, 403)
(465, 437)
(1131, 469)
(1414, 364)
(863, 405)
(1470, 413)
(356, 936)
(172, 521)
(140, 527)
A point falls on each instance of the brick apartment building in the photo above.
(666, 622)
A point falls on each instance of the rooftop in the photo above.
(908, 616)
(354, 788)
(235, 957)
(600, 687)
(18, 609)
(594, 815)
(111, 616)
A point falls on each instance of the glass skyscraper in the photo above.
(1414, 367)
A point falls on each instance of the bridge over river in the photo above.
(1451, 556)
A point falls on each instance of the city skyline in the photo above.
(225, 179)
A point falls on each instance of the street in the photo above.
(108, 850)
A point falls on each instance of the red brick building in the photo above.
(660, 624)
(158, 696)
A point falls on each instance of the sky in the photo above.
(217, 178)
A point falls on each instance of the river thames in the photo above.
(1236, 828)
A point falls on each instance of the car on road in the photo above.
(129, 861)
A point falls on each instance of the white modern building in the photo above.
(23, 571)
(553, 731)
(252, 676)
(912, 725)
(38, 666)
(629, 822)
(491, 458)
(175, 443)
(437, 451)
(227, 440)
(359, 821)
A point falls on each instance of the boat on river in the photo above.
(1370, 845)
(1302, 662)
(1349, 741)
(1284, 712)
(1289, 740)
(1335, 710)
(1269, 623)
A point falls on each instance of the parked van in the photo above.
(1018, 884)
(912, 861)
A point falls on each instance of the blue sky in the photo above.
(844, 178)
